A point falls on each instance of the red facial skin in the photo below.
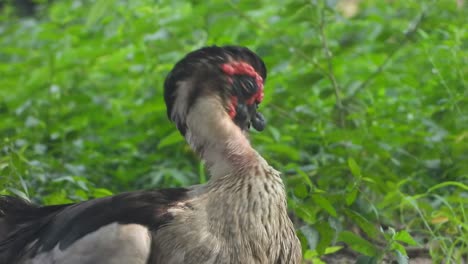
(243, 68)
(232, 107)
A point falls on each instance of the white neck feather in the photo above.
(220, 142)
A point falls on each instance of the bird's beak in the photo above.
(247, 116)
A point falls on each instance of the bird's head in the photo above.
(232, 77)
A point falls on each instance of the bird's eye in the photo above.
(251, 86)
(244, 86)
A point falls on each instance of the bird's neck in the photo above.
(214, 136)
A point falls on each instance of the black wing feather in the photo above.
(64, 224)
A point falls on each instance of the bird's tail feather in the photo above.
(20, 222)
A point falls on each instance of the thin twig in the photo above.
(330, 72)
(329, 56)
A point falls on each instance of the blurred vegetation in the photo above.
(367, 105)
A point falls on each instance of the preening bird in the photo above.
(238, 216)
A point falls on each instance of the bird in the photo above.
(239, 215)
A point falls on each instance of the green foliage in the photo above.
(367, 105)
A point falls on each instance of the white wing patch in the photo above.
(110, 244)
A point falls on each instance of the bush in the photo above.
(366, 103)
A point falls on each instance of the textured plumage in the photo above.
(238, 216)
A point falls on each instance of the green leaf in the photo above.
(323, 203)
(367, 260)
(82, 185)
(331, 250)
(363, 223)
(358, 244)
(81, 194)
(401, 258)
(311, 234)
(448, 183)
(354, 167)
(367, 179)
(285, 150)
(398, 247)
(24, 186)
(97, 11)
(18, 193)
(310, 254)
(101, 192)
(305, 212)
(326, 234)
(404, 236)
(171, 139)
(351, 196)
(59, 197)
(300, 191)
(3, 165)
